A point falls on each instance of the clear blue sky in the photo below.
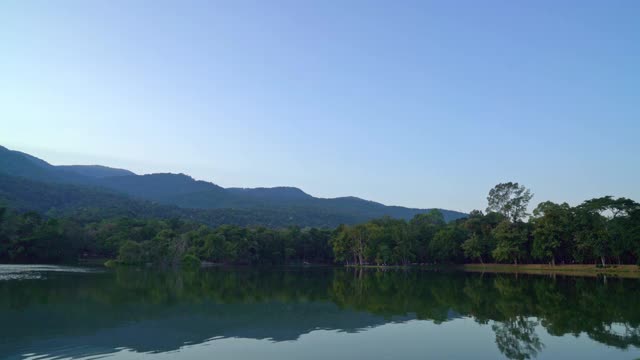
(415, 103)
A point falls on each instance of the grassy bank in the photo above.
(573, 269)
(627, 271)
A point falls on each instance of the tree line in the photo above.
(604, 230)
(31, 238)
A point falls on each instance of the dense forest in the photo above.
(602, 230)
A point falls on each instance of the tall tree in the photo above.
(610, 206)
(617, 211)
(553, 231)
(591, 236)
(422, 229)
(510, 199)
(482, 227)
(632, 233)
(342, 245)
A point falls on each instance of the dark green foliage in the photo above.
(553, 232)
(556, 233)
(482, 241)
(511, 241)
(591, 237)
(30, 238)
(190, 261)
(130, 253)
(446, 246)
(472, 248)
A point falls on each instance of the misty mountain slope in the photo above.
(94, 204)
(185, 192)
(158, 187)
(361, 209)
(95, 171)
(274, 193)
(17, 163)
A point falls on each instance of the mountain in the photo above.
(158, 187)
(274, 193)
(181, 195)
(89, 204)
(95, 171)
(20, 164)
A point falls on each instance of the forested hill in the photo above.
(69, 188)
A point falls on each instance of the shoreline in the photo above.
(627, 271)
(631, 271)
(588, 270)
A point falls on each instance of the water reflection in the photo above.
(76, 314)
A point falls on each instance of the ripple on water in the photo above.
(34, 272)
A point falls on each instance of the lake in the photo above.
(51, 312)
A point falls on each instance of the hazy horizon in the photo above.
(416, 104)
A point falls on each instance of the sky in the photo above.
(413, 103)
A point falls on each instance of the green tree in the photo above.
(608, 205)
(364, 236)
(482, 227)
(553, 231)
(404, 246)
(130, 253)
(446, 244)
(472, 247)
(510, 199)
(4, 234)
(422, 229)
(342, 245)
(511, 240)
(591, 236)
(632, 233)
(617, 211)
(213, 248)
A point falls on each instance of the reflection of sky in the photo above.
(461, 338)
(176, 326)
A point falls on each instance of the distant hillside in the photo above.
(95, 171)
(158, 187)
(94, 204)
(20, 164)
(184, 192)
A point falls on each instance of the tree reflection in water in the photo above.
(282, 304)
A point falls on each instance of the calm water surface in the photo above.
(70, 313)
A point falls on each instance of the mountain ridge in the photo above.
(186, 192)
(96, 171)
